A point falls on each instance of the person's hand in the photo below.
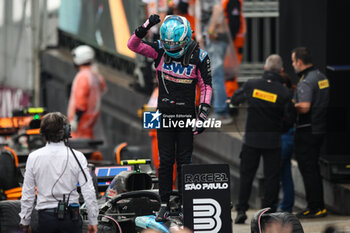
(230, 105)
(150, 22)
(203, 112)
(25, 228)
(212, 36)
(92, 229)
(74, 125)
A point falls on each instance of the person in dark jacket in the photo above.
(270, 107)
(312, 96)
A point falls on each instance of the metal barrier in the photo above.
(261, 38)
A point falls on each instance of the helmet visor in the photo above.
(172, 46)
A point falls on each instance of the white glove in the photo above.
(74, 125)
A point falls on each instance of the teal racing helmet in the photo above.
(175, 35)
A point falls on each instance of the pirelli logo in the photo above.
(323, 84)
(264, 95)
(177, 80)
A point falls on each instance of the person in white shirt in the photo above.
(55, 170)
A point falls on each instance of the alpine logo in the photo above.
(206, 215)
(177, 68)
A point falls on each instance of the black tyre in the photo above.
(8, 171)
(85, 226)
(9, 218)
(107, 228)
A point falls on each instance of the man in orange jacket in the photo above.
(85, 99)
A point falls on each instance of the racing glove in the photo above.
(203, 112)
(141, 31)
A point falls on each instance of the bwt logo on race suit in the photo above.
(206, 215)
(177, 68)
(152, 120)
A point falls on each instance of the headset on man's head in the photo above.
(64, 131)
(67, 131)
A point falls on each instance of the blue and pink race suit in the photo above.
(177, 91)
(177, 83)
